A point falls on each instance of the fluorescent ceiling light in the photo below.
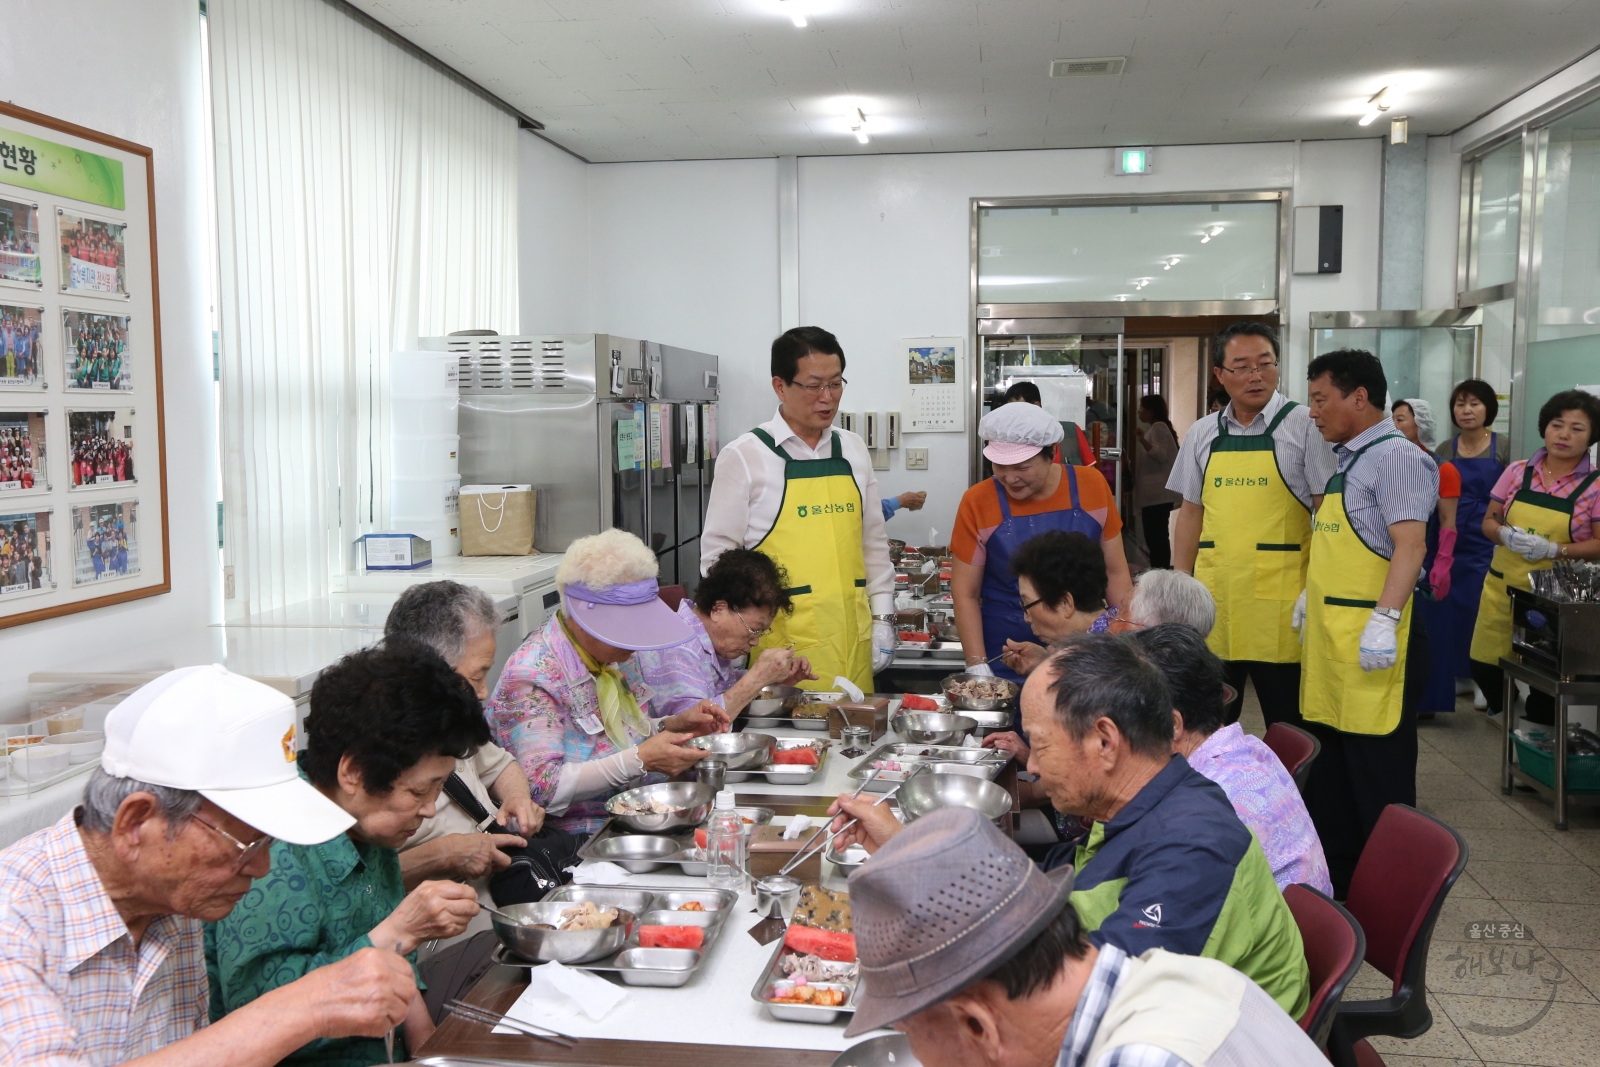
(1216, 231)
(796, 16)
(858, 124)
(1375, 107)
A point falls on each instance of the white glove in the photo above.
(1533, 548)
(981, 669)
(883, 643)
(1380, 650)
(1298, 618)
(1508, 536)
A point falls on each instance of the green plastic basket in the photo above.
(1583, 772)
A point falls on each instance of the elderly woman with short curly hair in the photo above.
(571, 704)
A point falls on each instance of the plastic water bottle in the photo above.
(725, 844)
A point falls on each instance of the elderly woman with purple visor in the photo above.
(571, 704)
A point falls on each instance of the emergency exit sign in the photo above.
(1132, 161)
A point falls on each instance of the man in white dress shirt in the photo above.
(804, 493)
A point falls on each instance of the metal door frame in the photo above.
(1097, 317)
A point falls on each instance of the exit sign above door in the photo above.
(1132, 161)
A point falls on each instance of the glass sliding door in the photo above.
(1424, 353)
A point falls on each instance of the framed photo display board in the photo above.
(83, 497)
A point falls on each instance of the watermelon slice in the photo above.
(913, 702)
(807, 755)
(699, 839)
(825, 944)
(673, 937)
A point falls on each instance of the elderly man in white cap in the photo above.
(1028, 495)
(974, 953)
(101, 957)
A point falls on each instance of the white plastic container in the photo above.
(81, 745)
(434, 456)
(423, 375)
(38, 762)
(424, 416)
(444, 537)
(436, 501)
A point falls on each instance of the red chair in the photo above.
(1405, 872)
(672, 595)
(1334, 946)
(1295, 749)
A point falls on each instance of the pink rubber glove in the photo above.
(1439, 573)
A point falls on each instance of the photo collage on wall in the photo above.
(75, 366)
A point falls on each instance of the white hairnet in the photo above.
(1427, 426)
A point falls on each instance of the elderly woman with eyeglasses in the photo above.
(733, 608)
(572, 704)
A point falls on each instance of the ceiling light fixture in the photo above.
(796, 16)
(858, 124)
(1216, 231)
(1376, 106)
(1169, 264)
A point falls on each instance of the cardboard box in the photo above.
(872, 713)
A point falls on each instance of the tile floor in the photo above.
(1533, 1001)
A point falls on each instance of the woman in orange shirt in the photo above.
(1028, 495)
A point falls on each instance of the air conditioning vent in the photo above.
(511, 364)
(1083, 68)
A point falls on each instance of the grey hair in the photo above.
(1172, 596)
(103, 795)
(442, 615)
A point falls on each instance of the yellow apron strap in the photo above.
(1254, 543)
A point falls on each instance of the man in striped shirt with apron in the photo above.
(1365, 654)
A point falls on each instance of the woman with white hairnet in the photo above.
(1414, 418)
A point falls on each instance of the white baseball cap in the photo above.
(1018, 431)
(228, 738)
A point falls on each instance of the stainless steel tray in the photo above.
(800, 1013)
(984, 762)
(946, 650)
(779, 774)
(688, 858)
(647, 966)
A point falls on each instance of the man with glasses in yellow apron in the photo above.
(804, 493)
(1365, 659)
(1249, 476)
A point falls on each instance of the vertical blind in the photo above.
(364, 199)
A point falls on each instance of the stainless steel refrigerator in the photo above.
(611, 432)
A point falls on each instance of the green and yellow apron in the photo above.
(816, 539)
(1545, 514)
(1343, 583)
(1253, 546)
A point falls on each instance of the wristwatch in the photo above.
(1390, 613)
(890, 619)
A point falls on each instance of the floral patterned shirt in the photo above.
(684, 674)
(543, 694)
(1267, 802)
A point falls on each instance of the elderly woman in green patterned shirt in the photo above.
(385, 729)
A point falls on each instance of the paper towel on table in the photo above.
(850, 688)
(557, 992)
(599, 872)
(799, 825)
(971, 742)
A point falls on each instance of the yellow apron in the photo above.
(1253, 547)
(816, 539)
(1343, 583)
(1545, 514)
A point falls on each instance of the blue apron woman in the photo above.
(1028, 495)
(1480, 457)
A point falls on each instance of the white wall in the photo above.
(553, 239)
(145, 88)
(687, 253)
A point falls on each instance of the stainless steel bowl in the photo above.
(636, 853)
(890, 1050)
(932, 727)
(774, 701)
(690, 803)
(969, 704)
(739, 751)
(930, 792)
(560, 946)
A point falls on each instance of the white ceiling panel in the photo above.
(699, 79)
